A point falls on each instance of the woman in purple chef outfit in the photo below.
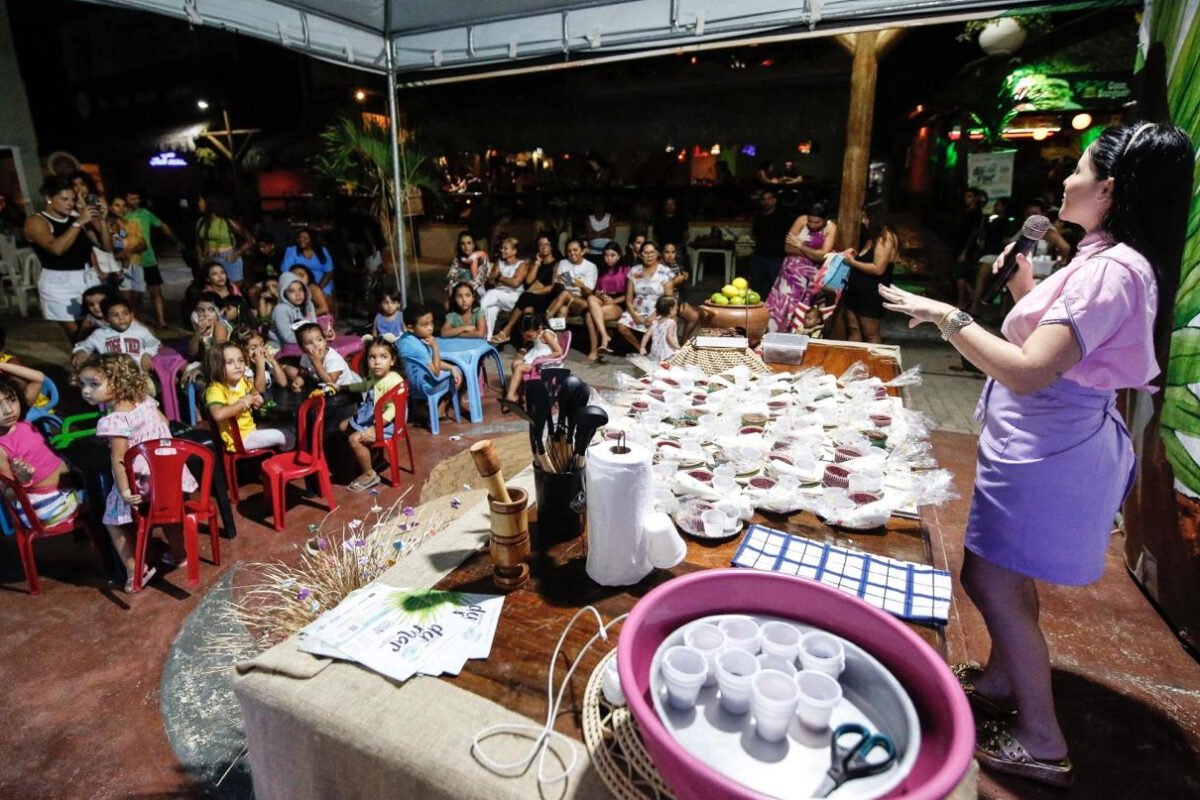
(1055, 461)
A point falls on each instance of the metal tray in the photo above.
(795, 767)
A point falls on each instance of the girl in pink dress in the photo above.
(1055, 459)
(133, 417)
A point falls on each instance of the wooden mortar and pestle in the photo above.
(509, 515)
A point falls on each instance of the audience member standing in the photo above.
(63, 236)
(219, 237)
(769, 229)
(147, 220)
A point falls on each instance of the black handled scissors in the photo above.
(857, 752)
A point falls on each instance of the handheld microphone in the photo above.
(1032, 232)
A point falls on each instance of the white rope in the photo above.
(542, 736)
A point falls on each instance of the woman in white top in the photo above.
(507, 280)
(601, 228)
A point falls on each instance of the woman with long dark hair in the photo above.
(809, 240)
(309, 252)
(1055, 460)
(219, 237)
(870, 268)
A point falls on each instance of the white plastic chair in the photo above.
(19, 271)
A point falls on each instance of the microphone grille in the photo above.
(1035, 227)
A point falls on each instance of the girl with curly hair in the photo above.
(133, 417)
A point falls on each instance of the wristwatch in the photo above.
(954, 322)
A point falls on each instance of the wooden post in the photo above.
(866, 48)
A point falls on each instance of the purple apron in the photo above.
(1053, 469)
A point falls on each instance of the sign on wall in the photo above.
(992, 172)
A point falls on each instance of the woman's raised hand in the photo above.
(921, 309)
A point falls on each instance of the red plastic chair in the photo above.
(26, 534)
(238, 454)
(397, 396)
(164, 503)
(307, 459)
(564, 344)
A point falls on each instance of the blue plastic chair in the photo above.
(46, 409)
(422, 383)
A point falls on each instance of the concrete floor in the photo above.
(84, 665)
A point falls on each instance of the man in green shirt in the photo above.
(146, 220)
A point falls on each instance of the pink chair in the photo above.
(535, 371)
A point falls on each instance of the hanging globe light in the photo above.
(1002, 37)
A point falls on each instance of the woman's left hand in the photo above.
(921, 309)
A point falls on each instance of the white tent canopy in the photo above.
(455, 34)
(428, 36)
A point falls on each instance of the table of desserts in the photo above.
(317, 728)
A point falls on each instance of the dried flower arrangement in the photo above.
(285, 597)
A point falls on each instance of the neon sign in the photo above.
(168, 158)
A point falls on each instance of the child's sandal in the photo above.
(147, 575)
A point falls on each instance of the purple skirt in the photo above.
(1053, 469)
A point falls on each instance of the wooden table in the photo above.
(514, 675)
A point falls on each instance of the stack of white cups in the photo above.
(754, 667)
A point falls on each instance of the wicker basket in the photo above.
(713, 361)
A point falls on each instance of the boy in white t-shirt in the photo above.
(121, 334)
(320, 361)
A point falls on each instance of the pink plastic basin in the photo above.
(947, 727)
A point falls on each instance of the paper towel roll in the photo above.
(664, 545)
(620, 496)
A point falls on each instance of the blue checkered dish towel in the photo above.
(915, 592)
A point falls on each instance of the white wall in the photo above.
(16, 123)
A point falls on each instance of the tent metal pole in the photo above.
(400, 267)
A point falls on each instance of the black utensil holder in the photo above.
(561, 504)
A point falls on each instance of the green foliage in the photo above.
(358, 157)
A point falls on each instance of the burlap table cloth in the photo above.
(318, 729)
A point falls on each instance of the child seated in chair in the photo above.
(93, 311)
(540, 342)
(231, 397)
(25, 457)
(320, 364)
(419, 344)
(121, 334)
(381, 364)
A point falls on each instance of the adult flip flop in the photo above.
(1000, 750)
(358, 485)
(966, 673)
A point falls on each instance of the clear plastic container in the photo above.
(784, 348)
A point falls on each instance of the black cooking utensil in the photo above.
(587, 421)
(573, 396)
(537, 403)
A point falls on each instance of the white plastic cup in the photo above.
(664, 471)
(732, 510)
(709, 640)
(684, 670)
(773, 698)
(781, 639)
(817, 696)
(741, 633)
(870, 481)
(611, 687)
(691, 451)
(766, 661)
(735, 670)
(714, 523)
(823, 652)
(724, 484)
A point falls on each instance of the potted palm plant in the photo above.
(358, 157)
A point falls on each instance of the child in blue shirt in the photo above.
(419, 344)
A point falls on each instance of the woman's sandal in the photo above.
(966, 673)
(147, 575)
(359, 485)
(999, 750)
(498, 340)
